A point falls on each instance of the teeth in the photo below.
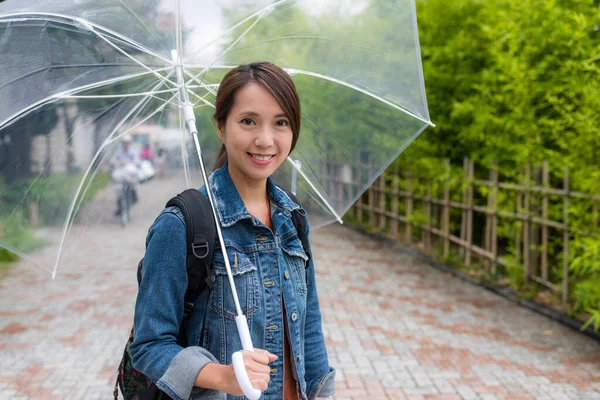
(261, 158)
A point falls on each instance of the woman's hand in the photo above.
(222, 377)
(257, 367)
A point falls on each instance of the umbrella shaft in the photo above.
(217, 225)
(190, 120)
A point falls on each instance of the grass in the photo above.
(53, 193)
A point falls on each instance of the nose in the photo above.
(264, 138)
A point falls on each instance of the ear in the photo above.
(219, 129)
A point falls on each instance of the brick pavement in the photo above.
(399, 329)
(395, 327)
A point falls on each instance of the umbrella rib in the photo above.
(178, 33)
(24, 256)
(184, 157)
(184, 100)
(107, 110)
(88, 24)
(56, 96)
(259, 12)
(315, 225)
(200, 106)
(30, 73)
(68, 221)
(110, 139)
(205, 69)
(201, 99)
(202, 84)
(383, 168)
(125, 95)
(142, 23)
(200, 81)
(159, 76)
(418, 56)
(291, 71)
(314, 188)
(157, 110)
(118, 96)
(169, 101)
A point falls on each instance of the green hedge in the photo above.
(53, 193)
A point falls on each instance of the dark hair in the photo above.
(274, 79)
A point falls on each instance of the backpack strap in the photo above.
(201, 234)
(299, 220)
(200, 238)
(200, 242)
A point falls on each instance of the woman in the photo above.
(258, 119)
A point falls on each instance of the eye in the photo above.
(282, 122)
(247, 121)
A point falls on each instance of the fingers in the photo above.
(257, 367)
(259, 356)
(257, 361)
(259, 384)
(271, 357)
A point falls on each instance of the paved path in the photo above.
(395, 327)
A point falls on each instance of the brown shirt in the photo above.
(290, 386)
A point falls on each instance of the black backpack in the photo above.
(200, 236)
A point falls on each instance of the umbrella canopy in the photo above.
(76, 75)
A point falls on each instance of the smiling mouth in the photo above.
(261, 157)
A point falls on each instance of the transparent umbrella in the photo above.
(77, 75)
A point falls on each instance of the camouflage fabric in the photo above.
(133, 384)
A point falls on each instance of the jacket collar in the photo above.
(229, 203)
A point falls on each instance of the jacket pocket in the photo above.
(245, 277)
(296, 260)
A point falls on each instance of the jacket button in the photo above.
(299, 357)
(294, 316)
(286, 275)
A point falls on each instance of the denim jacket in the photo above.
(270, 272)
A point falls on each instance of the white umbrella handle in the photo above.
(238, 360)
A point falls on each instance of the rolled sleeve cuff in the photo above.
(179, 378)
(325, 386)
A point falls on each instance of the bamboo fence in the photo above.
(447, 225)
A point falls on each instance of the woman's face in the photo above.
(257, 134)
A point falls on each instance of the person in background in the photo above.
(146, 153)
(126, 154)
(125, 158)
(160, 161)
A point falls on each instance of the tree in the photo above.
(16, 139)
